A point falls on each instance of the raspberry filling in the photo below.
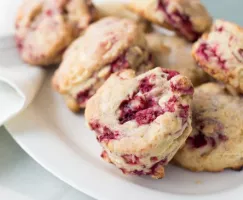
(145, 84)
(154, 159)
(104, 155)
(206, 52)
(131, 159)
(49, 13)
(152, 171)
(119, 64)
(103, 133)
(19, 44)
(179, 21)
(219, 29)
(130, 107)
(184, 112)
(149, 114)
(134, 160)
(198, 140)
(84, 96)
(144, 109)
(155, 166)
(170, 73)
(201, 139)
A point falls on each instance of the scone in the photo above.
(44, 28)
(119, 9)
(216, 140)
(142, 121)
(108, 46)
(175, 53)
(220, 53)
(188, 18)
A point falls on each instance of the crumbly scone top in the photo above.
(220, 52)
(215, 142)
(78, 13)
(194, 9)
(150, 108)
(226, 41)
(216, 116)
(101, 44)
(41, 33)
(44, 28)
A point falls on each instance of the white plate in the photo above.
(61, 143)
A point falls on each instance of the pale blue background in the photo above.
(226, 9)
(13, 160)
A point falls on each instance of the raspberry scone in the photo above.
(220, 53)
(216, 140)
(142, 121)
(175, 53)
(44, 28)
(108, 46)
(188, 18)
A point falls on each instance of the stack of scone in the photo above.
(144, 116)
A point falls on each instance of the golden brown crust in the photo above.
(159, 172)
(215, 170)
(72, 104)
(194, 169)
